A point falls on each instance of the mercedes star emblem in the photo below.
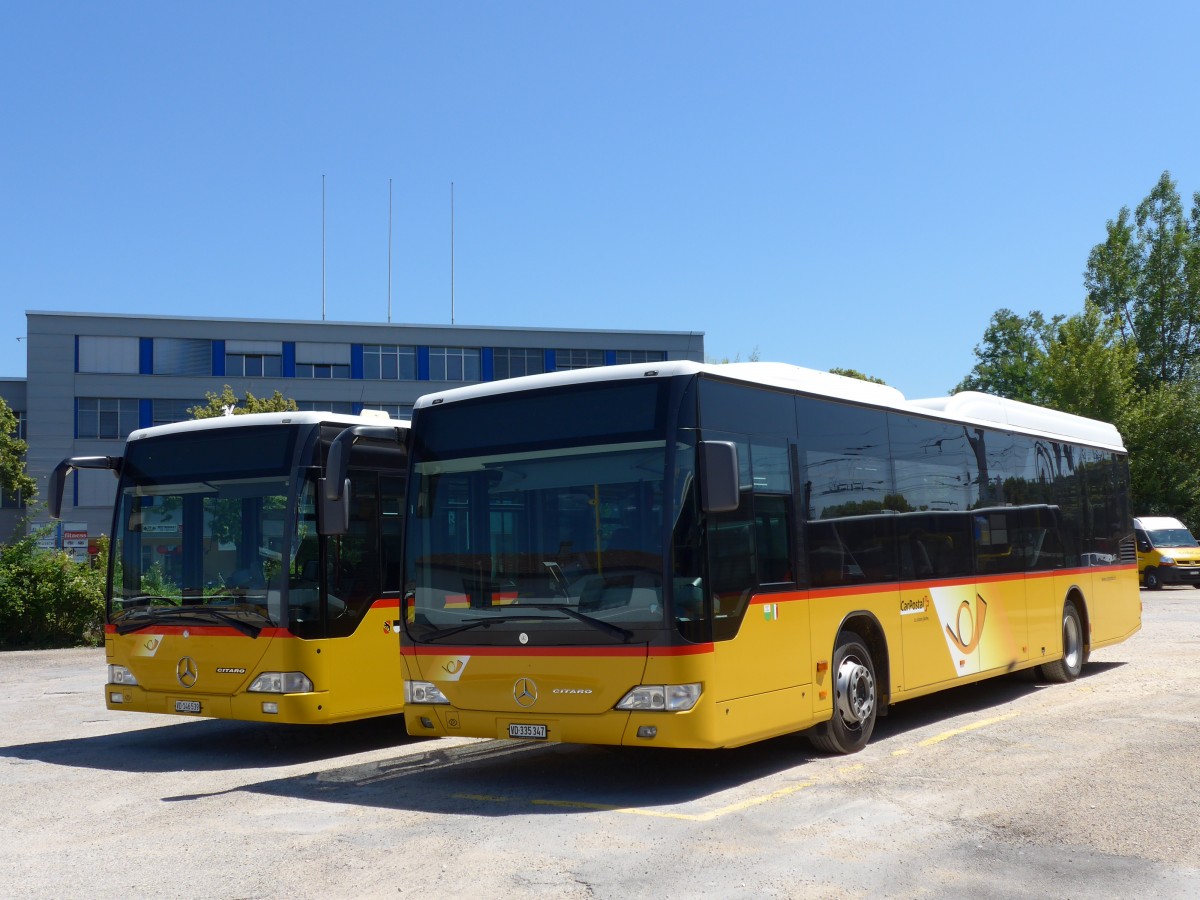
(525, 692)
(187, 672)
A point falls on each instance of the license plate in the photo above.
(189, 706)
(527, 731)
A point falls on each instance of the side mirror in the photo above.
(333, 495)
(719, 481)
(58, 478)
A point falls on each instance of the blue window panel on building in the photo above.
(146, 356)
(218, 359)
(289, 359)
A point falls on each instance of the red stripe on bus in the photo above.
(639, 650)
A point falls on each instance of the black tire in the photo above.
(1151, 580)
(855, 699)
(1074, 649)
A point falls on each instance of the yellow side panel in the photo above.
(955, 630)
(1044, 595)
(772, 650)
(363, 669)
(1116, 606)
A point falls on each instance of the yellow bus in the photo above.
(255, 567)
(683, 555)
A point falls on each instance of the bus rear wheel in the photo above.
(855, 699)
(1074, 655)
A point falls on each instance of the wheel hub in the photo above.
(855, 692)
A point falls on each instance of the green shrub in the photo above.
(49, 600)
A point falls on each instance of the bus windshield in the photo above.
(202, 524)
(565, 540)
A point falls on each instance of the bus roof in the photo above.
(967, 406)
(247, 420)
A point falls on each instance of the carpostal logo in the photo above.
(913, 607)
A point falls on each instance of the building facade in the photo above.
(93, 378)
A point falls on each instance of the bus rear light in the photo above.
(281, 683)
(120, 675)
(662, 697)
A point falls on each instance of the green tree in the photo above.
(1146, 276)
(854, 373)
(1009, 360)
(13, 477)
(218, 404)
(49, 600)
(1087, 369)
(1160, 429)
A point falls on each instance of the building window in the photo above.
(390, 363)
(22, 418)
(106, 418)
(253, 365)
(513, 362)
(108, 355)
(322, 360)
(322, 370)
(453, 364)
(167, 411)
(640, 356)
(577, 359)
(182, 356)
(343, 407)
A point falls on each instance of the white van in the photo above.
(1166, 552)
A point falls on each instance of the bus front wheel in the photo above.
(1151, 580)
(855, 699)
(1071, 664)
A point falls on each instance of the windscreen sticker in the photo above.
(448, 668)
(148, 645)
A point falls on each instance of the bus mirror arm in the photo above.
(334, 488)
(58, 478)
(719, 476)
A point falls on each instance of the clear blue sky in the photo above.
(855, 185)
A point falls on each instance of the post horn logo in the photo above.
(187, 672)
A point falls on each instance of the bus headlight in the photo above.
(120, 675)
(1167, 560)
(423, 692)
(662, 697)
(282, 683)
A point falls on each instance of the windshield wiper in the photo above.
(455, 629)
(148, 619)
(615, 630)
(608, 627)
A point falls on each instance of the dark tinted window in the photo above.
(744, 409)
(219, 454)
(847, 495)
(608, 412)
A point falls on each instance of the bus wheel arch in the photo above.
(856, 682)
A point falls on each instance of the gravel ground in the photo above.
(1006, 789)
